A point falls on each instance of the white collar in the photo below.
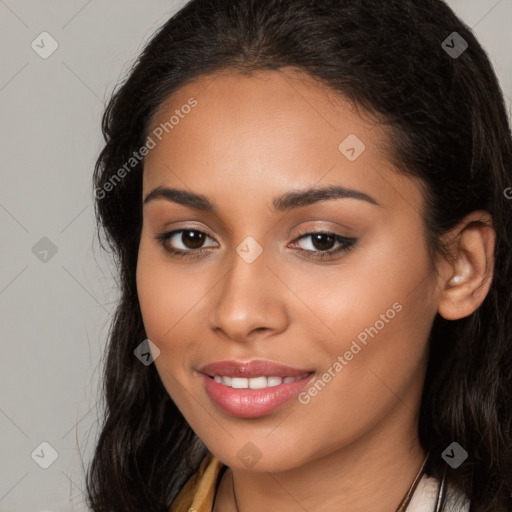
(425, 497)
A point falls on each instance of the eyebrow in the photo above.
(287, 201)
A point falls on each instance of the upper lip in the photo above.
(255, 368)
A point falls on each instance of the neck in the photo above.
(373, 473)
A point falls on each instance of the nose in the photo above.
(249, 302)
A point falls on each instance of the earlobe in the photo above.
(466, 280)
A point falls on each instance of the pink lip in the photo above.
(255, 368)
(252, 403)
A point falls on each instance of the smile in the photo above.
(255, 382)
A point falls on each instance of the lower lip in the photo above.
(252, 403)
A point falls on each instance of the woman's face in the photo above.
(355, 322)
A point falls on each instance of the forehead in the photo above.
(266, 99)
(262, 132)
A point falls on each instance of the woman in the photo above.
(307, 201)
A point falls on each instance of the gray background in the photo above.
(55, 309)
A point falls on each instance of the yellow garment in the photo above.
(198, 493)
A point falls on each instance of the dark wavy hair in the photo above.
(449, 128)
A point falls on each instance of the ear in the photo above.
(465, 276)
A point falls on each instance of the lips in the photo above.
(252, 369)
(250, 390)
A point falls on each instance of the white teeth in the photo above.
(255, 382)
(274, 381)
(258, 382)
(239, 382)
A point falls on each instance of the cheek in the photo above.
(162, 301)
(171, 298)
(165, 291)
(341, 301)
(376, 314)
(162, 304)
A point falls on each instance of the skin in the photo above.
(353, 447)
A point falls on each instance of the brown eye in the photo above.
(192, 239)
(184, 242)
(323, 241)
(323, 244)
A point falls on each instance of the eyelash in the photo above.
(347, 244)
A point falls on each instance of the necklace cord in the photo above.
(408, 495)
(441, 492)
